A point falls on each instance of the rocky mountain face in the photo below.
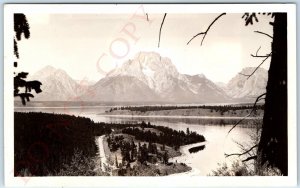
(242, 87)
(148, 77)
(57, 85)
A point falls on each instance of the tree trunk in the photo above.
(273, 146)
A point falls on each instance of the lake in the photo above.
(218, 141)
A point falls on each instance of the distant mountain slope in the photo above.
(85, 82)
(57, 85)
(239, 87)
(221, 85)
(206, 90)
(120, 89)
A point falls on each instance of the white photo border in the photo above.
(169, 181)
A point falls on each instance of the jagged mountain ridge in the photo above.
(148, 77)
(159, 78)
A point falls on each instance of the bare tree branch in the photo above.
(161, 27)
(241, 146)
(253, 108)
(205, 33)
(257, 50)
(240, 154)
(260, 55)
(250, 158)
(202, 33)
(262, 98)
(249, 75)
(256, 54)
(243, 74)
(263, 34)
(259, 65)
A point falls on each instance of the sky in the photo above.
(87, 46)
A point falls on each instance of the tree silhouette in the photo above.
(205, 33)
(21, 27)
(166, 157)
(273, 145)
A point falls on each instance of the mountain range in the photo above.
(148, 77)
(57, 85)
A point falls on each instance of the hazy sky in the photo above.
(75, 43)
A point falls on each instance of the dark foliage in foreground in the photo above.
(21, 27)
(44, 143)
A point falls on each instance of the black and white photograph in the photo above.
(150, 90)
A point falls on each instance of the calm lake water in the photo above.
(203, 162)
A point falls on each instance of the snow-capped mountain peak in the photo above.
(201, 75)
(150, 68)
(157, 79)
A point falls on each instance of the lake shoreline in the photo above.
(214, 132)
(175, 117)
(192, 112)
(184, 150)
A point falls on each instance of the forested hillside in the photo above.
(44, 143)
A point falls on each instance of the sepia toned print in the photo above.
(147, 93)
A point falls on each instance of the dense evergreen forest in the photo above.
(158, 138)
(44, 142)
(149, 145)
(166, 136)
(131, 151)
(217, 108)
